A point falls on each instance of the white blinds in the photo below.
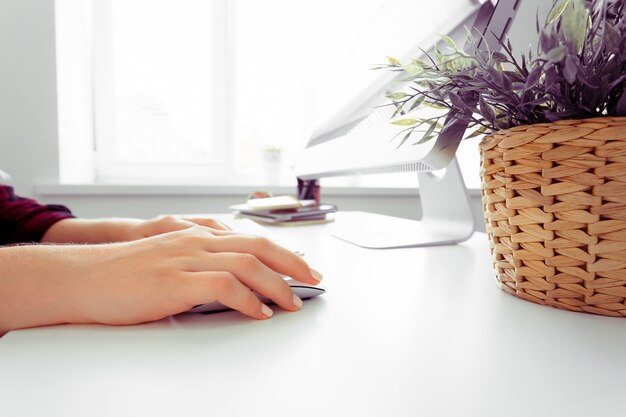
(160, 81)
(194, 90)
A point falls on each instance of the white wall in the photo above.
(28, 131)
(28, 128)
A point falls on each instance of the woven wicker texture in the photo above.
(554, 200)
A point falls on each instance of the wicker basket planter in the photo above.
(554, 200)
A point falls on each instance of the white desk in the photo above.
(399, 333)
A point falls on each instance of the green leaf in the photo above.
(480, 131)
(416, 102)
(449, 41)
(471, 40)
(438, 56)
(424, 139)
(393, 61)
(398, 111)
(408, 79)
(574, 23)
(419, 62)
(405, 138)
(433, 105)
(397, 96)
(431, 129)
(557, 10)
(413, 68)
(405, 122)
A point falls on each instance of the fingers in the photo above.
(272, 255)
(207, 222)
(217, 232)
(254, 262)
(163, 224)
(252, 273)
(228, 290)
(168, 223)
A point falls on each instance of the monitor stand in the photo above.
(447, 217)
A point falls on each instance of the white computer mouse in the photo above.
(302, 290)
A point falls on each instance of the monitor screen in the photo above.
(354, 138)
(357, 136)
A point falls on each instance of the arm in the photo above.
(24, 220)
(144, 280)
(73, 230)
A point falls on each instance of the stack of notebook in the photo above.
(285, 210)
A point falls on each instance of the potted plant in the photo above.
(553, 161)
(272, 162)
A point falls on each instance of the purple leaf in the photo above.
(551, 77)
(620, 109)
(547, 41)
(486, 111)
(456, 101)
(506, 82)
(538, 101)
(527, 97)
(499, 57)
(495, 75)
(533, 77)
(570, 69)
(617, 81)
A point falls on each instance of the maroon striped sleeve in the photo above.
(23, 220)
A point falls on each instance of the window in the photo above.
(204, 91)
(161, 90)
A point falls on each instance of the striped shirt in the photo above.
(23, 220)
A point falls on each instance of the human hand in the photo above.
(170, 223)
(173, 272)
(146, 279)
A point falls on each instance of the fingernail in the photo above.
(297, 301)
(267, 311)
(316, 275)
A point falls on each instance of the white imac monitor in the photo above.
(356, 141)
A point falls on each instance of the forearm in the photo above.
(121, 229)
(90, 230)
(37, 286)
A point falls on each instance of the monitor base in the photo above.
(376, 231)
(447, 217)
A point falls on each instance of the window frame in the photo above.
(108, 169)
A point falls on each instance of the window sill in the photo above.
(50, 189)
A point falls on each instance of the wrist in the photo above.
(39, 286)
(91, 231)
(115, 229)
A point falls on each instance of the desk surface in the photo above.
(406, 332)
